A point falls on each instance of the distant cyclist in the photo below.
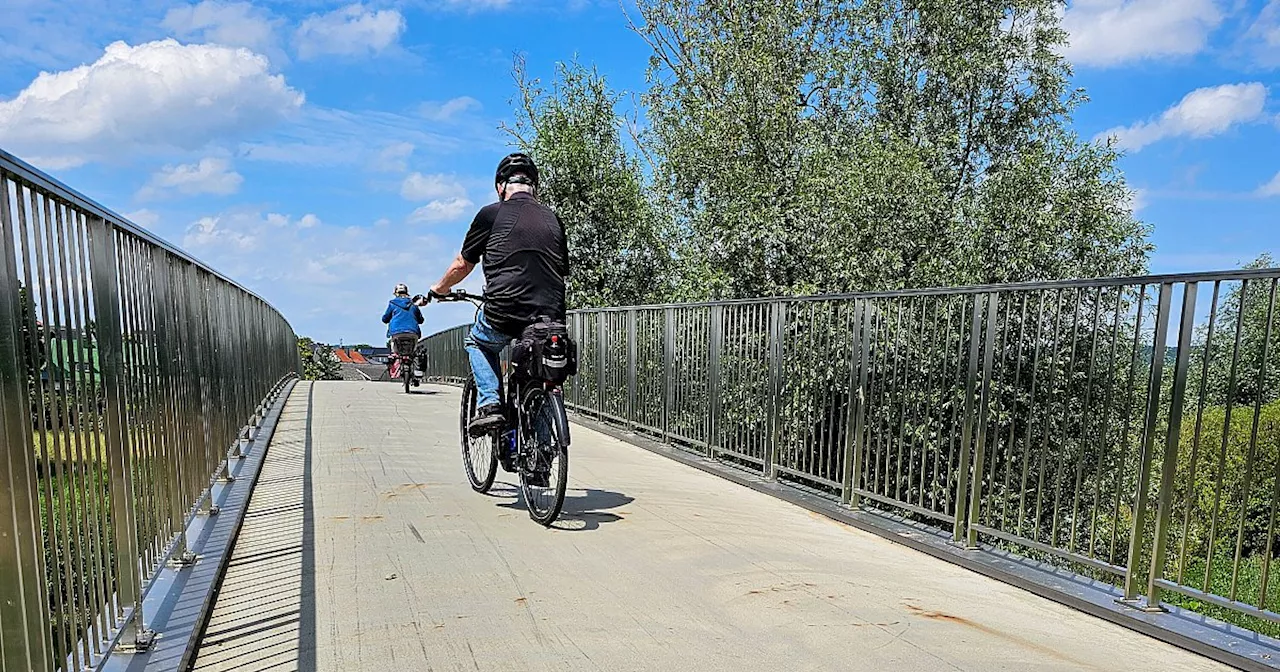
(403, 316)
(526, 264)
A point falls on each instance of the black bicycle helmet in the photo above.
(513, 164)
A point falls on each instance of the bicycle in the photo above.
(402, 356)
(533, 442)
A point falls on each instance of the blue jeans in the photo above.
(484, 346)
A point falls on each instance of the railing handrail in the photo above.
(966, 290)
(48, 183)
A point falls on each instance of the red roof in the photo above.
(342, 355)
(357, 358)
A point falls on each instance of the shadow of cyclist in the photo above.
(585, 509)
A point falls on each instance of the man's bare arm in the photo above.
(458, 271)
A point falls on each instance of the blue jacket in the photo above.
(402, 317)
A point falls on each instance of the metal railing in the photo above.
(1126, 428)
(129, 372)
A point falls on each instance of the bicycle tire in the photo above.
(406, 372)
(481, 478)
(545, 504)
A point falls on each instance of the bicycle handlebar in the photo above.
(457, 295)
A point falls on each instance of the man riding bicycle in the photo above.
(526, 263)
(402, 318)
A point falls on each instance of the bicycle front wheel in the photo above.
(544, 469)
(478, 457)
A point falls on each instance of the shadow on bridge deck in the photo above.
(364, 549)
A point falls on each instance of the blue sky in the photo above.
(320, 152)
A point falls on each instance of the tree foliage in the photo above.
(618, 254)
(318, 361)
(816, 146)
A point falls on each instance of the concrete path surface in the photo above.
(364, 549)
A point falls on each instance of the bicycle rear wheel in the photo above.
(478, 453)
(544, 453)
(406, 372)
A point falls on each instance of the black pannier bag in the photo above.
(545, 352)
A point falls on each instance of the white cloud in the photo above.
(446, 111)
(158, 95)
(220, 233)
(441, 210)
(1261, 41)
(446, 195)
(236, 24)
(353, 30)
(209, 176)
(1201, 114)
(419, 187)
(1137, 200)
(393, 158)
(1110, 32)
(144, 218)
(1271, 188)
(352, 268)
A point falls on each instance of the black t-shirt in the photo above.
(526, 261)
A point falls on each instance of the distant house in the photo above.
(376, 355)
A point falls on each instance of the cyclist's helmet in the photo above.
(515, 165)
(402, 289)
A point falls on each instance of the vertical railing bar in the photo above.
(1031, 413)
(962, 485)
(93, 524)
(1206, 355)
(668, 362)
(984, 395)
(1063, 436)
(1226, 435)
(1169, 462)
(1137, 539)
(777, 317)
(1104, 443)
(1012, 440)
(24, 609)
(714, 356)
(1253, 434)
(1086, 423)
(1048, 424)
(70, 351)
(632, 362)
(928, 487)
(1001, 365)
(1128, 417)
(50, 446)
(106, 301)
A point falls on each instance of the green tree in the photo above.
(819, 146)
(318, 361)
(617, 247)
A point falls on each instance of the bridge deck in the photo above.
(364, 549)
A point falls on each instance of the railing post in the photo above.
(984, 402)
(24, 613)
(859, 365)
(777, 316)
(715, 336)
(631, 367)
(668, 361)
(1137, 540)
(601, 346)
(966, 436)
(106, 298)
(1168, 469)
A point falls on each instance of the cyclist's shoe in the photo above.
(488, 418)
